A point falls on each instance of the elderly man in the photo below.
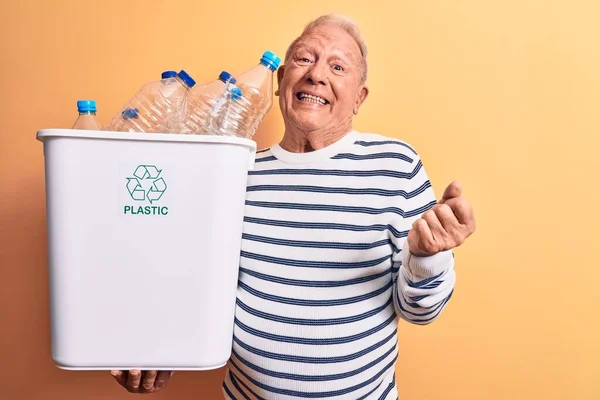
(342, 236)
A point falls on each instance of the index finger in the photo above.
(463, 211)
(119, 377)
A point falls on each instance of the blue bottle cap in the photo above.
(270, 60)
(186, 78)
(130, 113)
(86, 105)
(226, 76)
(168, 74)
(236, 93)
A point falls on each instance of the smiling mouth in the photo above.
(309, 98)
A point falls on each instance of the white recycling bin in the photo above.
(144, 237)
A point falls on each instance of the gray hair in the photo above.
(343, 22)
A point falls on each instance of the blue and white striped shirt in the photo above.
(325, 271)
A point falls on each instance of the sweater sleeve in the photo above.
(422, 285)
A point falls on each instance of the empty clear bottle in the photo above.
(229, 116)
(257, 88)
(202, 100)
(168, 90)
(169, 83)
(154, 104)
(87, 116)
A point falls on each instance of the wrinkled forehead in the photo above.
(332, 40)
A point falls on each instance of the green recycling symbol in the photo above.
(146, 184)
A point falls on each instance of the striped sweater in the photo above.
(325, 271)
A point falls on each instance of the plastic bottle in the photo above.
(167, 78)
(154, 104)
(87, 116)
(174, 119)
(229, 115)
(202, 100)
(257, 88)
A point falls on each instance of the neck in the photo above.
(296, 140)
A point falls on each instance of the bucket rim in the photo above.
(44, 134)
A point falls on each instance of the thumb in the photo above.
(453, 190)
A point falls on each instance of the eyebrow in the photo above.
(346, 54)
(339, 52)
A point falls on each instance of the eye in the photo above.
(338, 67)
(304, 59)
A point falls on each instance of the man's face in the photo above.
(319, 85)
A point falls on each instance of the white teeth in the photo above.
(311, 98)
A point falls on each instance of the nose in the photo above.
(317, 74)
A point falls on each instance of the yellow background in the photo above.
(502, 95)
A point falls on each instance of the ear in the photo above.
(280, 73)
(362, 94)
